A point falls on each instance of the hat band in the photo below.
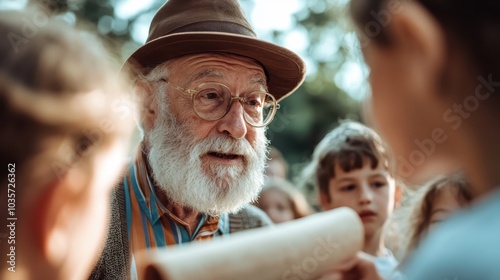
(216, 26)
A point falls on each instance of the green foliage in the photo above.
(318, 105)
(305, 116)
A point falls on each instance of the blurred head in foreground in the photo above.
(65, 134)
(435, 77)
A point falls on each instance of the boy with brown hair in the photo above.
(352, 168)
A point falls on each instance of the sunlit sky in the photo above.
(265, 16)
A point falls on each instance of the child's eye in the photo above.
(379, 184)
(348, 187)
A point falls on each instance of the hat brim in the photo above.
(285, 70)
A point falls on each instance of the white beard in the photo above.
(175, 160)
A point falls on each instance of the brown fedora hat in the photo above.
(182, 27)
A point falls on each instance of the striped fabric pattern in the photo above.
(150, 224)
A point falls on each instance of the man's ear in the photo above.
(147, 109)
(420, 41)
(51, 217)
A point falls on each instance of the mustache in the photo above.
(226, 145)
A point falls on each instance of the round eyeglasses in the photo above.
(212, 101)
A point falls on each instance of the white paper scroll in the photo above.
(302, 249)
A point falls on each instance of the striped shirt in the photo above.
(150, 224)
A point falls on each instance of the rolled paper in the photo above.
(296, 250)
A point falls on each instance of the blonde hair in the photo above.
(421, 208)
(61, 99)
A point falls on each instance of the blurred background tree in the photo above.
(319, 30)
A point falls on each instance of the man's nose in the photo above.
(233, 123)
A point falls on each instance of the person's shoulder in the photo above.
(247, 218)
(465, 246)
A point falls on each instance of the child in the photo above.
(433, 204)
(282, 202)
(62, 146)
(435, 77)
(352, 168)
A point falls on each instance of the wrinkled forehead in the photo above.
(219, 66)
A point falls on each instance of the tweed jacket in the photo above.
(114, 262)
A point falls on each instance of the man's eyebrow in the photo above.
(206, 73)
(218, 74)
(259, 80)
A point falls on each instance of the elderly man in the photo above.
(208, 88)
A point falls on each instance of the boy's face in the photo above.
(369, 192)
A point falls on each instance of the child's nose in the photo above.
(366, 194)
